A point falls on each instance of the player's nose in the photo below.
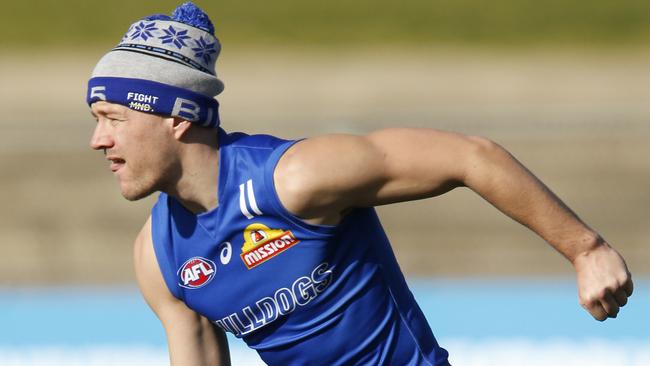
(101, 138)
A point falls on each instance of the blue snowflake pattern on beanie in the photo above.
(186, 37)
(144, 30)
(204, 49)
(191, 14)
(175, 36)
(126, 35)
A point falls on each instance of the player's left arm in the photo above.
(319, 179)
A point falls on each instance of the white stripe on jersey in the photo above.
(251, 197)
(242, 202)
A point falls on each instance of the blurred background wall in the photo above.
(562, 84)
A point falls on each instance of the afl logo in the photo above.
(196, 272)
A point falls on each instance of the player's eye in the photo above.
(115, 121)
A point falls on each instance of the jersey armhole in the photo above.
(271, 192)
(164, 256)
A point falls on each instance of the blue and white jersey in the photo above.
(299, 294)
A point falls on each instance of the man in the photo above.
(276, 241)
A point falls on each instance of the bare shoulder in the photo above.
(312, 160)
(320, 178)
(143, 253)
(142, 241)
(314, 175)
(148, 275)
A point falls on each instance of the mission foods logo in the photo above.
(196, 272)
(262, 244)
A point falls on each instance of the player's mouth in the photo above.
(116, 163)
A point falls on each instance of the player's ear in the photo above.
(180, 127)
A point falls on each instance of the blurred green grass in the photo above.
(27, 24)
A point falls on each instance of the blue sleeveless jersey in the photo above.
(298, 294)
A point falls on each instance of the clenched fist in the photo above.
(604, 282)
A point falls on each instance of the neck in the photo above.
(196, 188)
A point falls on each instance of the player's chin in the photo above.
(134, 192)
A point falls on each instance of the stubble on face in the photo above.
(148, 149)
(150, 178)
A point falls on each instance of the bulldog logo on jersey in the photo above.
(196, 272)
(262, 244)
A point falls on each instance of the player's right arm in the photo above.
(321, 178)
(192, 339)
